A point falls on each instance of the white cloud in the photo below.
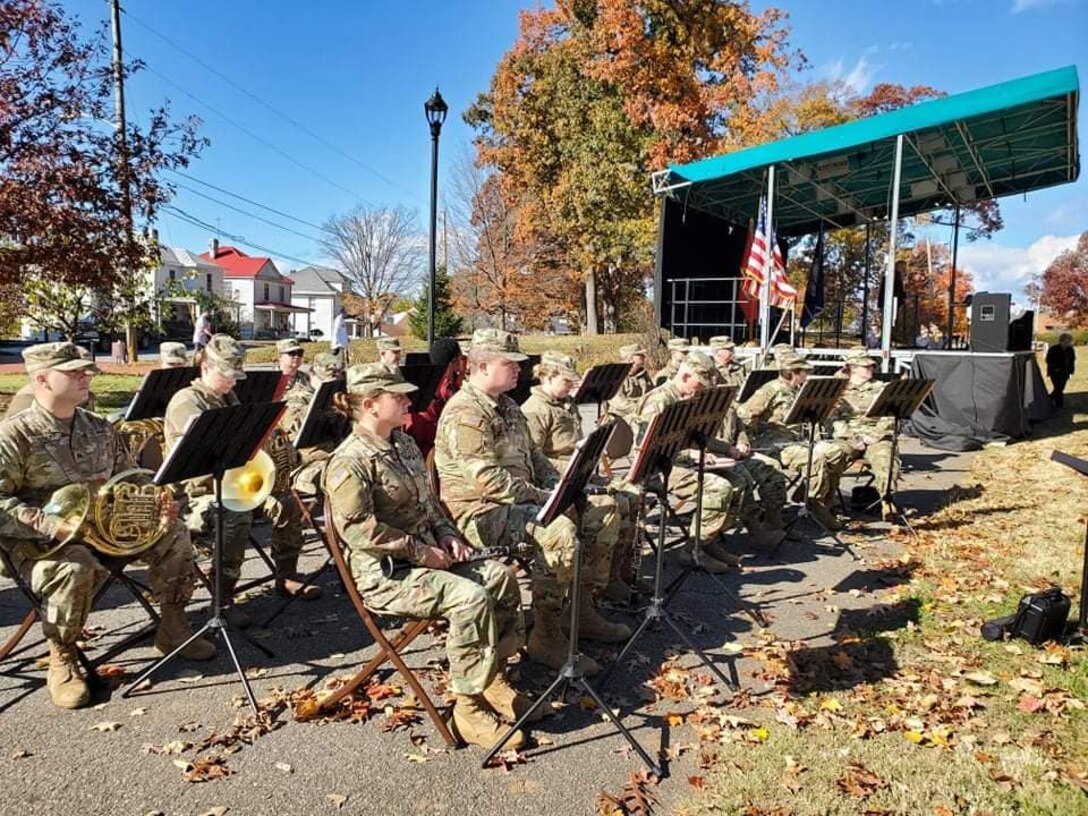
(1028, 5)
(997, 268)
(858, 79)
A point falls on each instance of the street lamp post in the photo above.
(436, 109)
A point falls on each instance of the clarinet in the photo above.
(395, 567)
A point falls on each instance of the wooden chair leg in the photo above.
(20, 633)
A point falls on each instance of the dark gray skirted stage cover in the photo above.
(978, 398)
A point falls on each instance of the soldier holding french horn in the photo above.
(68, 490)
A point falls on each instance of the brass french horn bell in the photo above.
(246, 487)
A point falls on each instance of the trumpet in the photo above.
(395, 567)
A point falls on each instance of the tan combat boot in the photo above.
(772, 519)
(888, 511)
(510, 704)
(291, 588)
(763, 537)
(174, 630)
(477, 724)
(593, 625)
(824, 516)
(235, 615)
(65, 677)
(548, 645)
(706, 561)
(716, 550)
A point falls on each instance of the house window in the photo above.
(281, 295)
(208, 282)
(173, 274)
(266, 293)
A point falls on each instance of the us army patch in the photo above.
(337, 477)
(472, 421)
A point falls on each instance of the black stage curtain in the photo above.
(978, 398)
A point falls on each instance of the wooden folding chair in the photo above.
(388, 650)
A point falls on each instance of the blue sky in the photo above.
(356, 74)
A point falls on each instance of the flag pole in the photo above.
(765, 294)
(889, 271)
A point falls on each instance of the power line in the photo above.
(238, 239)
(316, 136)
(258, 138)
(240, 197)
(248, 214)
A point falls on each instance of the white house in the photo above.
(320, 291)
(181, 274)
(263, 295)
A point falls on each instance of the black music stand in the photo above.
(571, 490)
(756, 379)
(260, 386)
(600, 384)
(414, 358)
(898, 399)
(813, 406)
(158, 387)
(521, 391)
(680, 426)
(1081, 467)
(426, 377)
(238, 431)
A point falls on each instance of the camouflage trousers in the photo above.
(769, 480)
(828, 464)
(879, 458)
(68, 579)
(283, 511)
(201, 519)
(720, 499)
(553, 567)
(480, 600)
(626, 497)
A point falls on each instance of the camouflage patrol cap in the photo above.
(289, 345)
(632, 350)
(496, 341)
(61, 356)
(722, 341)
(226, 354)
(173, 354)
(702, 367)
(859, 358)
(562, 362)
(372, 378)
(790, 360)
(327, 366)
(679, 344)
(388, 344)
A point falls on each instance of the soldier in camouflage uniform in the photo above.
(860, 437)
(389, 352)
(494, 480)
(555, 426)
(730, 370)
(678, 351)
(382, 506)
(721, 498)
(306, 480)
(636, 385)
(764, 414)
(173, 355)
(50, 445)
(25, 395)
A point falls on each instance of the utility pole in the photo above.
(122, 154)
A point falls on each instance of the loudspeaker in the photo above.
(990, 321)
(1020, 331)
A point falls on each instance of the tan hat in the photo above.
(327, 365)
(289, 345)
(859, 358)
(702, 367)
(373, 377)
(172, 353)
(722, 341)
(632, 350)
(226, 354)
(679, 344)
(388, 344)
(790, 359)
(496, 341)
(61, 356)
(562, 362)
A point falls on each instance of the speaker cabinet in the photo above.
(1020, 331)
(990, 321)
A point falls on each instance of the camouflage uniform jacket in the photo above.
(40, 453)
(764, 413)
(733, 373)
(298, 393)
(849, 420)
(381, 502)
(666, 374)
(633, 389)
(486, 457)
(554, 425)
(189, 402)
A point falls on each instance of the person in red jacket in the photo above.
(421, 425)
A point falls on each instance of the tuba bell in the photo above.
(246, 487)
(124, 517)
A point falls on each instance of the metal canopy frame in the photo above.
(1000, 140)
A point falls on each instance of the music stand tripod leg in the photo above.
(572, 672)
(804, 512)
(217, 623)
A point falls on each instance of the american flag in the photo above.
(756, 267)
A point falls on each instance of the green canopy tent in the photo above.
(1009, 138)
